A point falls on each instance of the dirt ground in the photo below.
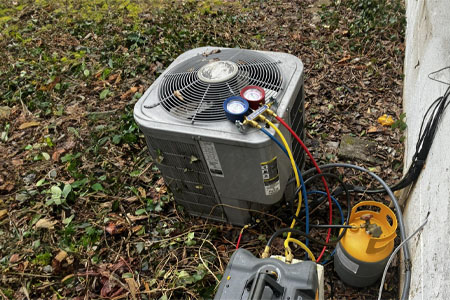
(85, 213)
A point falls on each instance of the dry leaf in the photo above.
(111, 228)
(67, 277)
(45, 223)
(137, 218)
(51, 85)
(7, 186)
(362, 67)
(344, 59)
(113, 77)
(14, 258)
(114, 229)
(129, 93)
(372, 129)
(29, 124)
(178, 95)
(160, 181)
(131, 199)
(5, 112)
(147, 287)
(17, 162)
(136, 228)
(118, 79)
(206, 53)
(142, 192)
(156, 67)
(385, 120)
(61, 256)
(70, 260)
(3, 213)
(57, 154)
(132, 284)
(22, 266)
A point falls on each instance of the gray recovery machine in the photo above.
(251, 278)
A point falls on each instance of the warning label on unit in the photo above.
(212, 159)
(271, 178)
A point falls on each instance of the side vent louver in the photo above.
(185, 173)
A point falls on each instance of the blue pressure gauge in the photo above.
(235, 108)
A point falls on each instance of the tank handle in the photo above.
(385, 212)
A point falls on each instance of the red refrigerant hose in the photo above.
(239, 240)
(318, 171)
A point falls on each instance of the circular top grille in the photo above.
(196, 89)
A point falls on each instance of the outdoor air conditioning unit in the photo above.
(213, 169)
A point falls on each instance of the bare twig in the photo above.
(29, 275)
(3, 295)
(200, 256)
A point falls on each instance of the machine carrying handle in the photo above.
(260, 282)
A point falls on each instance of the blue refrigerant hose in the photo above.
(302, 183)
(340, 212)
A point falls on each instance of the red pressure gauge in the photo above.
(255, 95)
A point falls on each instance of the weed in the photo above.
(400, 123)
(43, 259)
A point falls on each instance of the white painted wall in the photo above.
(427, 50)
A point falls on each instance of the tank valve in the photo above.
(371, 228)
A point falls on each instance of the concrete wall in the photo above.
(427, 50)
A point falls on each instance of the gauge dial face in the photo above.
(236, 107)
(252, 94)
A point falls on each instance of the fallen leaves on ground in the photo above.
(29, 124)
(45, 223)
(118, 218)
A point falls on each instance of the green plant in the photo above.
(42, 259)
(400, 123)
(58, 196)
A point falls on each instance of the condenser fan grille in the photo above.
(195, 90)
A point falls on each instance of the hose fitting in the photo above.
(289, 255)
(271, 113)
(266, 252)
(262, 118)
(252, 123)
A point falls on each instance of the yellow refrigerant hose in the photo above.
(297, 179)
